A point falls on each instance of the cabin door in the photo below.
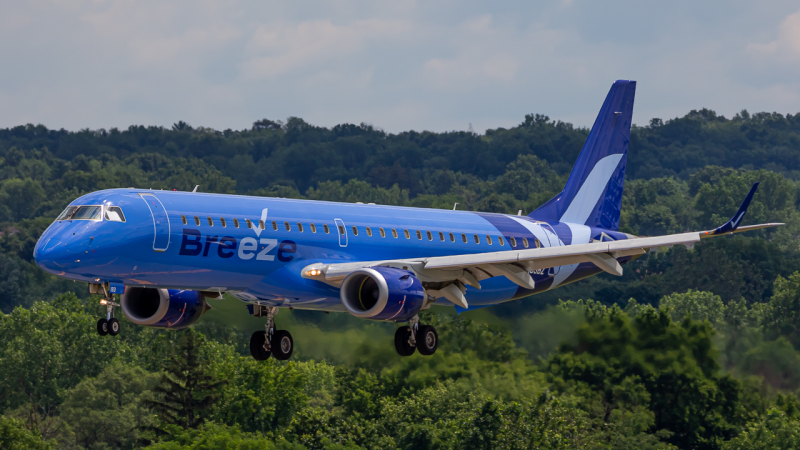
(161, 228)
(342, 230)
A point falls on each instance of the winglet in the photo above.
(731, 225)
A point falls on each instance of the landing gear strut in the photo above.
(109, 324)
(271, 342)
(416, 337)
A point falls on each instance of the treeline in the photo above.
(300, 155)
(695, 373)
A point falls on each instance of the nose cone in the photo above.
(52, 254)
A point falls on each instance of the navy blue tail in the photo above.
(593, 194)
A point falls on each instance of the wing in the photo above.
(448, 276)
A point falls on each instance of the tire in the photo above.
(102, 327)
(257, 350)
(282, 345)
(427, 340)
(113, 327)
(401, 337)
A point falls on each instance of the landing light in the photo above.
(103, 302)
(313, 272)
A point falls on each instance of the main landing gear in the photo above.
(277, 343)
(109, 324)
(416, 337)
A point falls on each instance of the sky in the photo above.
(437, 65)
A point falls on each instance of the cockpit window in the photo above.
(114, 214)
(82, 213)
(67, 213)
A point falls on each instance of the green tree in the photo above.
(46, 350)
(695, 304)
(186, 391)
(14, 436)
(774, 430)
(107, 410)
(21, 197)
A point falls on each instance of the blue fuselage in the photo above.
(214, 242)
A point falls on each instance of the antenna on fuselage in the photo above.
(195, 188)
(454, 206)
(519, 213)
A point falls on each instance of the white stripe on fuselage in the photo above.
(581, 234)
(590, 191)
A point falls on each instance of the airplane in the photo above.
(158, 254)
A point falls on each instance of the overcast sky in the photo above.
(399, 65)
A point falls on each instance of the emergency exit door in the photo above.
(161, 227)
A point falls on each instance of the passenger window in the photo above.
(394, 233)
(464, 237)
(299, 227)
(222, 221)
(405, 232)
(114, 214)
(183, 218)
(430, 236)
(313, 228)
(383, 233)
(287, 226)
(210, 221)
(537, 242)
(341, 230)
(525, 242)
(275, 225)
(355, 231)
(369, 231)
(477, 239)
(419, 235)
(261, 224)
(513, 241)
(452, 238)
(236, 222)
(249, 223)
(441, 236)
(325, 227)
(488, 239)
(500, 240)
(197, 221)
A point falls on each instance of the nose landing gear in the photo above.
(109, 324)
(272, 342)
(416, 337)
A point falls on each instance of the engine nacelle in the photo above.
(382, 293)
(163, 308)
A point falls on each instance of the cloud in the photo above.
(435, 65)
(786, 47)
(279, 48)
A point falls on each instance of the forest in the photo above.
(690, 348)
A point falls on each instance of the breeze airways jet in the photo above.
(164, 252)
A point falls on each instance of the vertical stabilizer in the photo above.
(593, 193)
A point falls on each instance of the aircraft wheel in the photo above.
(427, 340)
(401, 337)
(102, 327)
(282, 345)
(257, 341)
(113, 327)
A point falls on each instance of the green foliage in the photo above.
(107, 409)
(669, 367)
(186, 392)
(774, 430)
(212, 436)
(14, 436)
(44, 351)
